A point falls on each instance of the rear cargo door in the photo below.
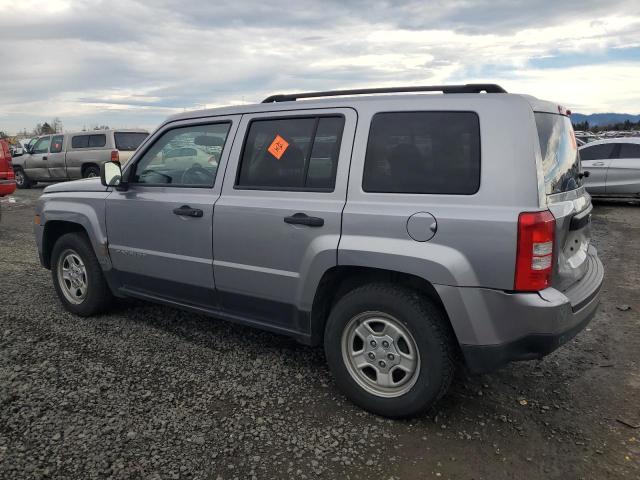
(566, 198)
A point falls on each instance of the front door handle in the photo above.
(187, 211)
(598, 164)
(44, 158)
(304, 219)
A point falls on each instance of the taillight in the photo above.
(534, 258)
(115, 156)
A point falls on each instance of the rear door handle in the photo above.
(304, 219)
(45, 157)
(598, 164)
(187, 211)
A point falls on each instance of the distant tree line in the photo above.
(626, 125)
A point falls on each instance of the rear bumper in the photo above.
(7, 187)
(495, 327)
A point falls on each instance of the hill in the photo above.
(599, 119)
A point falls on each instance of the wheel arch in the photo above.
(86, 166)
(341, 279)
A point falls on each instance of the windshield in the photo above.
(560, 159)
(129, 141)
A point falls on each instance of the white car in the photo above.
(614, 167)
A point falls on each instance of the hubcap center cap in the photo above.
(381, 352)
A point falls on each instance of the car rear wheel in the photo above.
(77, 276)
(22, 181)
(390, 350)
(91, 172)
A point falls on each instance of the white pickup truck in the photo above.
(70, 156)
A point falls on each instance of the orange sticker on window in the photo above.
(278, 147)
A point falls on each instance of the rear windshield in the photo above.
(129, 141)
(560, 159)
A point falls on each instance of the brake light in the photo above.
(534, 258)
(115, 156)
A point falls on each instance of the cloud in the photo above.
(135, 62)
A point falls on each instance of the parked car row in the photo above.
(68, 156)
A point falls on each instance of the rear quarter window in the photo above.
(559, 150)
(423, 152)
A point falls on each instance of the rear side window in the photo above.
(89, 141)
(129, 141)
(56, 143)
(423, 152)
(97, 141)
(629, 150)
(80, 141)
(597, 152)
(292, 153)
(560, 159)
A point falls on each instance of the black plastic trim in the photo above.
(487, 358)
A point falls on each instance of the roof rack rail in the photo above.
(468, 88)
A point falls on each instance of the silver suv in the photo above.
(406, 233)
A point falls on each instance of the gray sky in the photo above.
(133, 63)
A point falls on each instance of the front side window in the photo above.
(42, 145)
(602, 151)
(185, 156)
(423, 152)
(291, 153)
(56, 143)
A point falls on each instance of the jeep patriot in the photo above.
(406, 230)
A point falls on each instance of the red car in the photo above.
(7, 178)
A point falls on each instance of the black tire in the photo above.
(22, 181)
(91, 171)
(98, 295)
(432, 336)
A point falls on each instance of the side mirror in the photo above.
(110, 174)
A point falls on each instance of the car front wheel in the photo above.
(390, 350)
(22, 181)
(77, 276)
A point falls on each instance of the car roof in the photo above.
(98, 132)
(536, 104)
(613, 140)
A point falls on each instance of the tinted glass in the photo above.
(56, 143)
(42, 145)
(560, 159)
(186, 156)
(97, 141)
(597, 152)
(129, 141)
(630, 150)
(292, 153)
(80, 141)
(423, 152)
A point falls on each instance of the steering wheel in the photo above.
(197, 175)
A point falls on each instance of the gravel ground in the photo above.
(151, 392)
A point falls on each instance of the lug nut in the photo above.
(391, 356)
(385, 344)
(382, 363)
(372, 355)
(373, 343)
